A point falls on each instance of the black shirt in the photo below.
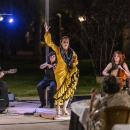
(49, 74)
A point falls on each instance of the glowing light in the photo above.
(82, 18)
(11, 20)
(1, 18)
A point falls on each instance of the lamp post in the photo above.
(81, 19)
(47, 21)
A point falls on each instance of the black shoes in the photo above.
(42, 105)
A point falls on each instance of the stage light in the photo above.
(11, 20)
(6, 18)
(1, 18)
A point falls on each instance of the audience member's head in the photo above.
(110, 84)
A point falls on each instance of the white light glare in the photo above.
(81, 18)
(11, 20)
(1, 18)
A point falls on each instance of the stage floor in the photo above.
(19, 116)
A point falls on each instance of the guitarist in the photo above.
(4, 88)
(117, 63)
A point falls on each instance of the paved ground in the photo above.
(15, 117)
(8, 122)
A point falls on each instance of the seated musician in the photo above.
(117, 67)
(48, 80)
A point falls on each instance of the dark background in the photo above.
(29, 16)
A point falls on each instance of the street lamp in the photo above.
(82, 18)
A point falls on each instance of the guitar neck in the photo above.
(5, 72)
(11, 71)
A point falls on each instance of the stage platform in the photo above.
(19, 116)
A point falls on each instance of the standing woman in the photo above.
(117, 61)
(66, 72)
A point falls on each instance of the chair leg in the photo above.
(94, 125)
(46, 94)
(46, 97)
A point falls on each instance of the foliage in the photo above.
(86, 83)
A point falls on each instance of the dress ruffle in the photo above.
(68, 87)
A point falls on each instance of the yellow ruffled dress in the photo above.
(66, 80)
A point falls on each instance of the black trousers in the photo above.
(42, 86)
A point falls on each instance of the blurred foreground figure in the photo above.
(113, 97)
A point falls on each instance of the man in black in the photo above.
(48, 80)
